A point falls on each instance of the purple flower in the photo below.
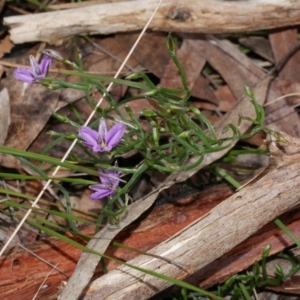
(102, 140)
(37, 71)
(109, 183)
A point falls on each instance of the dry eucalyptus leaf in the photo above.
(5, 45)
(31, 109)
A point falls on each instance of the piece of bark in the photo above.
(179, 16)
(161, 223)
(245, 254)
(225, 226)
(88, 262)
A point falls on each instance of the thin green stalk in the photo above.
(287, 232)
(244, 291)
(227, 177)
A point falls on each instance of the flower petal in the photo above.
(109, 178)
(101, 191)
(24, 75)
(102, 130)
(45, 64)
(89, 136)
(114, 135)
(101, 194)
(35, 68)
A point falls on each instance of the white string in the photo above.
(75, 141)
(282, 97)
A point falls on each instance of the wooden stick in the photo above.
(205, 16)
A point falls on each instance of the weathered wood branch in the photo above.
(205, 16)
(224, 227)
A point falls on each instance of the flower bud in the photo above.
(184, 134)
(155, 135)
(159, 108)
(59, 117)
(151, 93)
(249, 92)
(170, 43)
(71, 136)
(196, 111)
(168, 126)
(176, 150)
(148, 113)
(134, 76)
(266, 251)
(184, 119)
(175, 108)
(53, 133)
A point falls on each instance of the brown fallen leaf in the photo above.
(106, 55)
(32, 107)
(258, 44)
(282, 40)
(280, 115)
(5, 45)
(154, 61)
(190, 60)
(202, 90)
(235, 67)
(30, 112)
(225, 97)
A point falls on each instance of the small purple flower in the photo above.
(37, 71)
(108, 186)
(102, 140)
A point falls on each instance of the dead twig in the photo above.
(178, 16)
